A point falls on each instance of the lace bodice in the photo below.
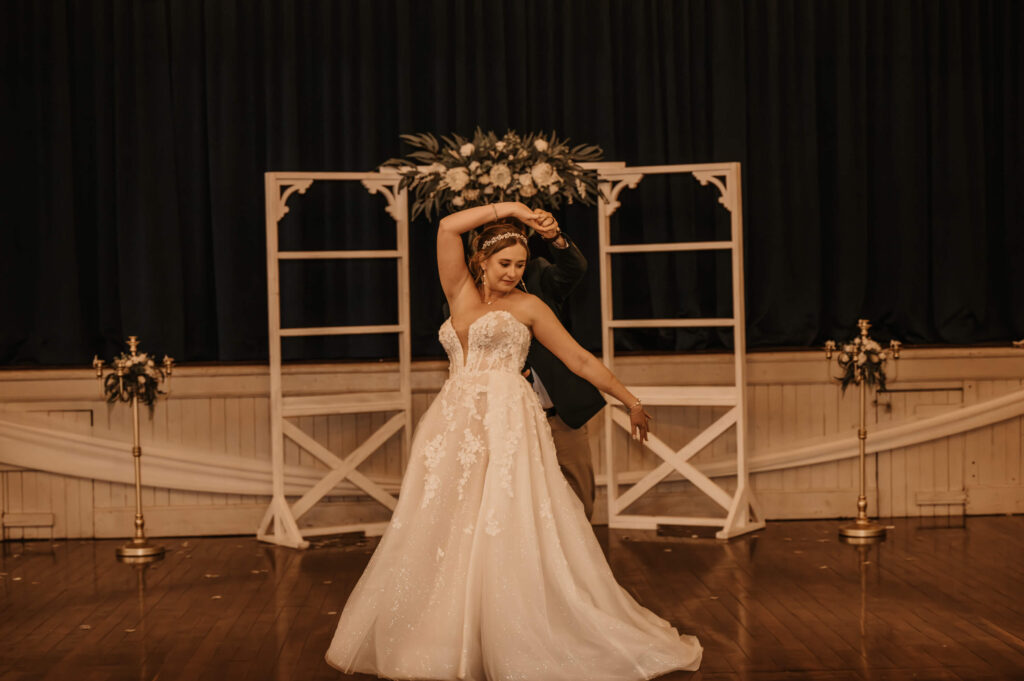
(497, 342)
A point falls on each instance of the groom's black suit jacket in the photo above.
(575, 399)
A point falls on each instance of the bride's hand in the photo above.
(639, 423)
(524, 214)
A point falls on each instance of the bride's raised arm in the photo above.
(451, 259)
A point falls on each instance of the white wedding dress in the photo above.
(489, 569)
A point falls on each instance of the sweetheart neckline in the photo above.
(464, 351)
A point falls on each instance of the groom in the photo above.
(568, 400)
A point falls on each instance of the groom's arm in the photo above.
(567, 268)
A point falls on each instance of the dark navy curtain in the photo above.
(881, 144)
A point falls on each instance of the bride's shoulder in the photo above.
(527, 305)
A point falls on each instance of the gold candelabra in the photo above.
(138, 547)
(862, 527)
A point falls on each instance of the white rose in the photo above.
(489, 189)
(542, 174)
(436, 168)
(484, 178)
(471, 194)
(540, 145)
(466, 149)
(552, 188)
(457, 178)
(500, 146)
(527, 190)
(501, 175)
(525, 180)
(474, 165)
(458, 201)
(843, 357)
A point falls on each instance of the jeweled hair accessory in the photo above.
(495, 239)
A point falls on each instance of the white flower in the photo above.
(542, 174)
(873, 345)
(525, 179)
(466, 149)
(848, 348)
(844, 357)
(501, 175)
(500, 146)
(527, 190)
(489, 189)
(861, 358)
(458, 201)
(540, 145)
(457, 178)
(484, 178)
(474, 165)
(471, 194)
(436, 168)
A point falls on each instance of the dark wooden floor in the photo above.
(790, 602)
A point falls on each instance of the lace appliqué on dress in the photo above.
(431, 457)
(468, 453)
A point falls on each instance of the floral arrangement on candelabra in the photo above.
(864, 358)
(135, 378)
(539, 170)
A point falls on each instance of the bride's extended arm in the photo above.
(451, 260)
(552, 335)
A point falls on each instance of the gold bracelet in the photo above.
(635, 405)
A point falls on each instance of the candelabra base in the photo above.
(139, 549)
(861, 541)
(862, 529)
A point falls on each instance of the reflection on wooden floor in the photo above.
(790, 602)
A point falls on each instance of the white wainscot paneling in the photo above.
(219, 416)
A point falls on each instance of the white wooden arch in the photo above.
(280, 522)
(742, 513)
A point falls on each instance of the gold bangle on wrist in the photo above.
(635, 405)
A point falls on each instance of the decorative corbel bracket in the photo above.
(290, 187)
(610, 189)
(387, 186)
(721, 179)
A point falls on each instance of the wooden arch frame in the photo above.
(280, 522)
(742, 511)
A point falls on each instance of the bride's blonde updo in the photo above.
(493, 237)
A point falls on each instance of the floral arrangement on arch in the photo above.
(862, 357)
(139, 376)
(455, 173)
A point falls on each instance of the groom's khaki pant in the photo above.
(572, 446)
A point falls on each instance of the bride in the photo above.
(489, 568)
